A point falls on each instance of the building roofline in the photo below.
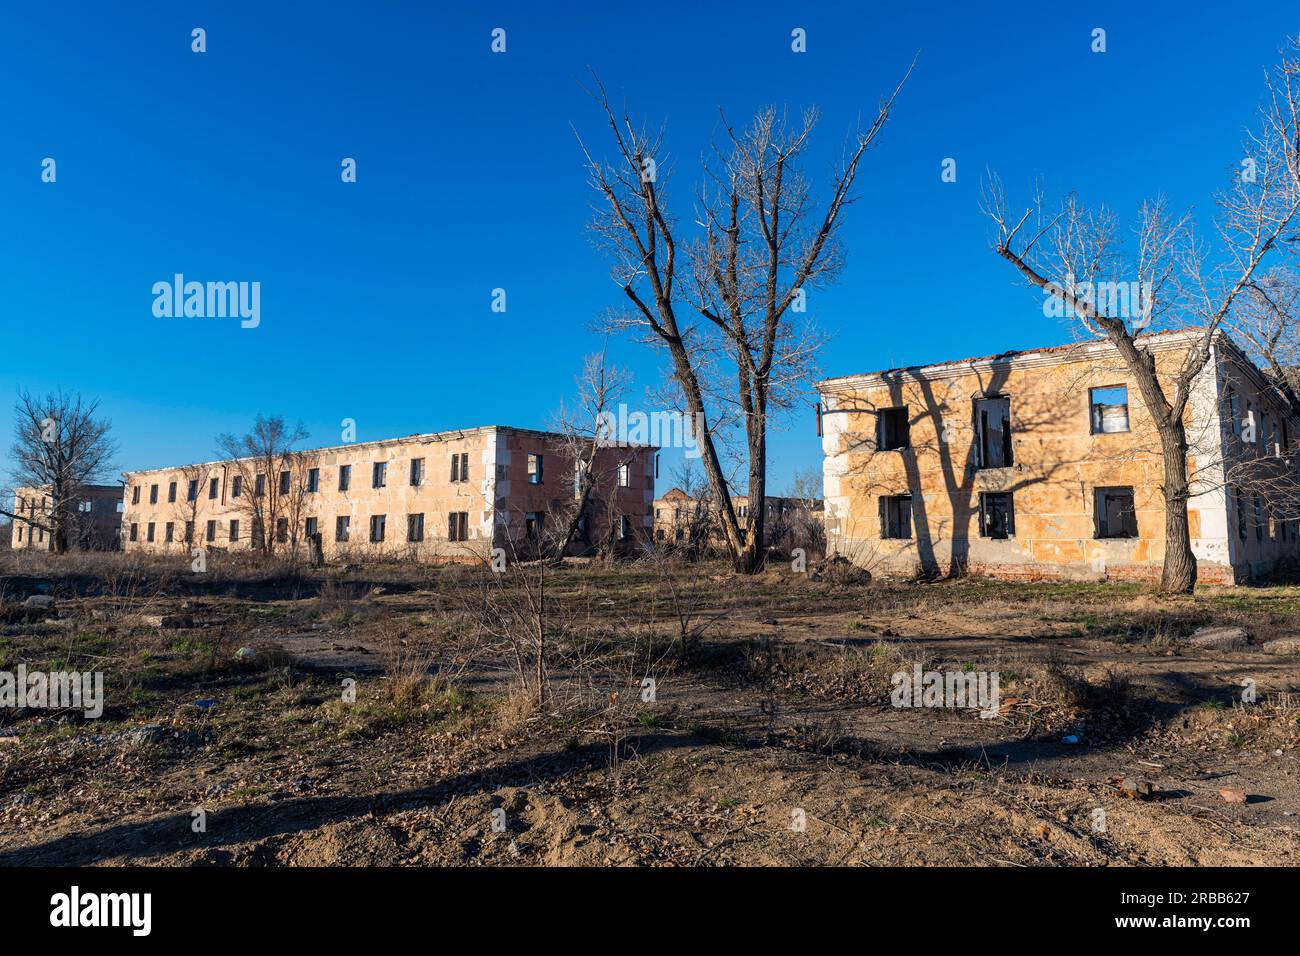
(427, 438)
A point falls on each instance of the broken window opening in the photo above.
(993, 428)
(997, 515)
(892, 429)
(896, 516)
(1109, 409)
(1116, 516)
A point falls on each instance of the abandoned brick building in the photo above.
(1045, 464)
(95, 519)
(681, 519)
(449, 495)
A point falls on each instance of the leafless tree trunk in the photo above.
(763, 248)
(59, 446)
(1076, 256)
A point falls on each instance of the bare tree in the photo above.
(1080, 258)
(59, 447)
(260, 458)
(763, 246)
(583, 433)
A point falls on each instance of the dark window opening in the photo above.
(1116, 517)
(892, 429)
(997, 515)
(993, 429)
(415, 527)
(896, 516)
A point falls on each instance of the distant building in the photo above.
(448, 495)
(683, 520)
(96, 519)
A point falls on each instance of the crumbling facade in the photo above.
(1045, 465)
(94, 519)
(454, 495)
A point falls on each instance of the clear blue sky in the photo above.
(376, 295)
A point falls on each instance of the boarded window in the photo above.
(997, 515)
(993, 430)
(896, 516)
(892, 430)
(1109, 409)
(1116, 517)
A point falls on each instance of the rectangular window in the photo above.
(345, 477)
(533, 523)
(192, 492)
(535, 469)
(189, 532)
(341, 528)
(258, 536)
(460, 467)
(415, 527)
(896, 516)
(211, 533)
(1234, 413)
(377, 523)
(624, 527)
(171, 493)
(148, 531)
(234, 529)
(153, 494)
(214, 485)
(993, 431)
(997, 515)
(379, 475)
(1259, 519)
(458, 526)
(169, 532)
(135, 530)
(417, 472)
(892, 429)
(259, 485)
(1115, 514)
(313, 480)
(1109, 409)
(282, 530)
(135, 495)
(236, 486)
(284, 482)
(310, 527)
(624, 475)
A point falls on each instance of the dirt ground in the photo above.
(768, 736)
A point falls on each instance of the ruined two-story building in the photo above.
(1045, 464)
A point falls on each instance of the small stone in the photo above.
(1283, 645)
(1220, 638)
(1233, 795)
